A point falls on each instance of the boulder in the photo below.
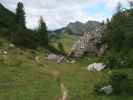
(72, 61)
(37, 59)
(107, 89)
(57, 58)
(11, 45)
(96, 67)
(90, 42)
(5, 52)
(61, 59)
(52, 57)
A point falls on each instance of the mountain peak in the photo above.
(79, 28)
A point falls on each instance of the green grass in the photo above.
(24, 78)
(26, 82)
(67, 40)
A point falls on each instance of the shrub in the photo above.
(98, 86)
(119, 82)
(110, 61)
(129, 58)
(118, 60)
(61, 48)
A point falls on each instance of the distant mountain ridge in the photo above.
(8, 23)
(78, 28)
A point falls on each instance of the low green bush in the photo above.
(119, 59)
(98, 86)
(119, 82)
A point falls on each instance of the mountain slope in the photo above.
(78, 28)
(7, 19)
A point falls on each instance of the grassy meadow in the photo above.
(26, 75)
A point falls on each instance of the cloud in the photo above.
(112, 4)
(58, 13)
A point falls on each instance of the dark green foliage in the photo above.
(42, 34)
(7, 21)
(24, 38)
(61, 48)
(119, 37)
(121, 59)
(119, 82)
(20, 14)
(53, 49)
(12, 27)
(119, 33)
(111, 61)
(98, 86)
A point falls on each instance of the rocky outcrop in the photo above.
(96, 67)
(90, 42)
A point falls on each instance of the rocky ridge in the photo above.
(90, 42)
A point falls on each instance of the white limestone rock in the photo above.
(57, 58)
(61, 59)
(107, 89)
(5, 52)
(96, 67)
(52, 57)
(11, 45)
(73, 61)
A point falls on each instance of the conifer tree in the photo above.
(20, 14)
(42, 33)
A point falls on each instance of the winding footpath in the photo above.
(64, 92)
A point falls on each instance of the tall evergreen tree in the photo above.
(119, 33)
(20, 14)
(42, 33)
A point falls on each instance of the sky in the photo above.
(59, 13)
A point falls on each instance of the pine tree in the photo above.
(42, 33)
(20, 14)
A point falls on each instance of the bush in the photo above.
(119, 82)
(61, 48)
(110, 61)
(119, 60)
(129, 58)
(98, 86)
(23, 38)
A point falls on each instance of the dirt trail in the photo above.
(63, 88)
(64, 92)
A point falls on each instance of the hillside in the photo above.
(16, 31)
(66, 39)
(31, 71)
(25, 74)
(7, 19)
(78, 28)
